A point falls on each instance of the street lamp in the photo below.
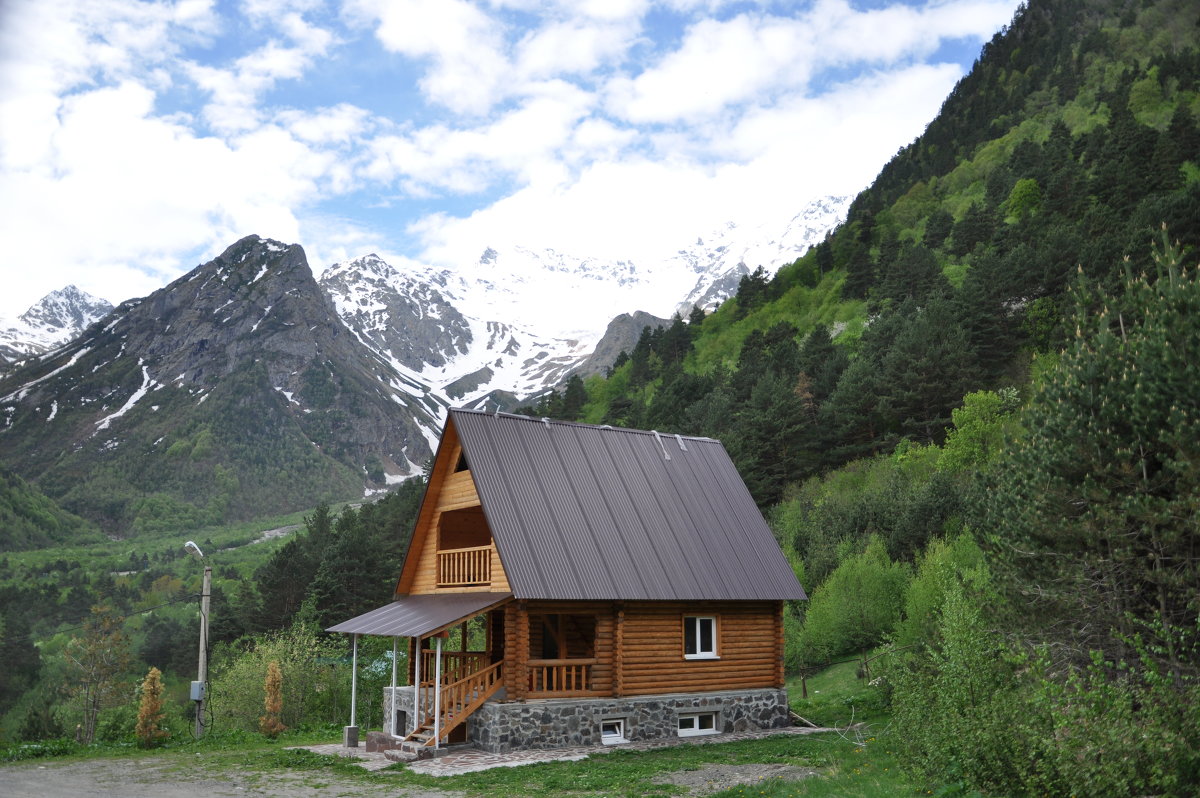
(198, 686)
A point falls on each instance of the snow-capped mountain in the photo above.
(233, 392)
(720, 260)
(413, 322)
(518, 321)
(246, 386)
(57, 318)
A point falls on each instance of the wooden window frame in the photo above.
(715, 652)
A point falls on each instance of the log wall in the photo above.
(748, 648)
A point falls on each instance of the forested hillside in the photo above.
(1061, 154)
(133, 610)
(970, 414)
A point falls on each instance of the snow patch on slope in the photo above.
(147, 384)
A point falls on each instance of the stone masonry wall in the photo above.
(500, 727)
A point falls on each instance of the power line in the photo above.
(188, 598)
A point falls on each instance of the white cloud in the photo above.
(137, 138)
(341, 124)
(765, 166)
(236, 91)
(753, 58)
(573, 47)
(463, 44)
(468, 160)
(718, 64)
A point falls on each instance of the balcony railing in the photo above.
(560, 678)
(465, 567)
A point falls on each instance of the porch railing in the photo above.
(458, 700)
(464, 567)
(456, 665)
(560, 678)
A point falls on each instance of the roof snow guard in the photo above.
(581, 512)
(420, 616)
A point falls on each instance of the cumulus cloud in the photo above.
(462, 43)
(139, 138)
(235, 91)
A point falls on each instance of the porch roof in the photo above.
(420, 616)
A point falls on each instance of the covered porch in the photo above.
(465, 649)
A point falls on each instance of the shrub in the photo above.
(150, 717)
(315, 691)
(269, 724)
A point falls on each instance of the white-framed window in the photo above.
(699, 637)
(692, 725)
(612, 730)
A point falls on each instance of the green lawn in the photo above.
(855, 762)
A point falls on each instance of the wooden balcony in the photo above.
(560, 678)
(465, 567)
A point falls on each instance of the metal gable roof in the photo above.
(581, 512)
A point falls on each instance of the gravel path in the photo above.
(714, 778)
(155, 776)
(149, 777)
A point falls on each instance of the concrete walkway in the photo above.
(462, 759)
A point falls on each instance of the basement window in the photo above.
(699, 637)
(697, 724)
(612, 731)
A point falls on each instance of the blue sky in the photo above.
(138, 139)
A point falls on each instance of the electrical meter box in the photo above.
(197, 691)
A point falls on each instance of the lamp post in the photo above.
(199, 686)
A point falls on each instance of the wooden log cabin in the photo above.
(570, 584)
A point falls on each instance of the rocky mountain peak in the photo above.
(52, 321)
(199, 392)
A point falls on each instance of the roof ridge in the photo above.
(560, 422)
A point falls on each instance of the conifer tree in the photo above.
(1095, 511)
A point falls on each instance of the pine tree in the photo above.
(574, 398)
(1095, 511)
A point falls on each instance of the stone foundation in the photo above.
(501, 726)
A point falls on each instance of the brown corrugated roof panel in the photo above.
(583, 512)
(415, 616)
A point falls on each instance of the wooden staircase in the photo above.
(458, 701)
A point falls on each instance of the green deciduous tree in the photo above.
(856, 606)
(99, 663)
(1024, 199)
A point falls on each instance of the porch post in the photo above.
(395, 652)
(417, 686)
(350, 733)
(437, 694)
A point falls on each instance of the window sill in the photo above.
(701, 656)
